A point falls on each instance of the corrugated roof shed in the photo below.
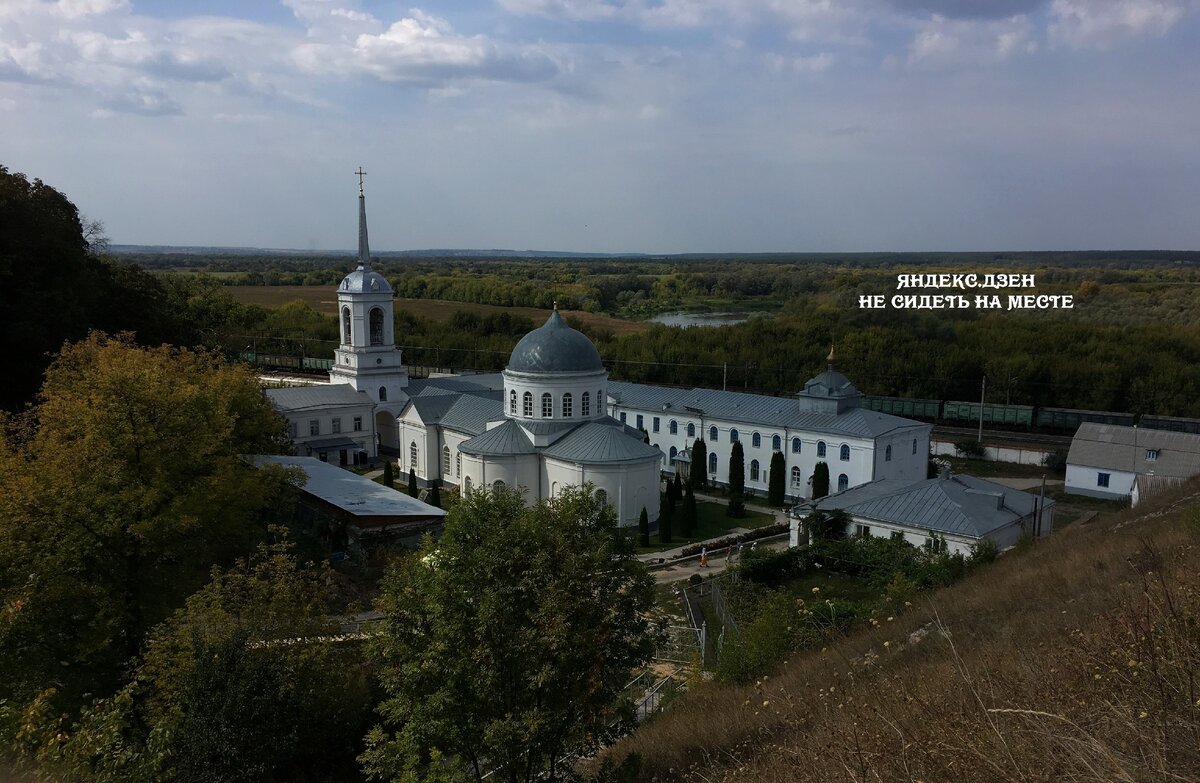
(1112, 447)
(353, 493)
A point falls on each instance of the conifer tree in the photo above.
(644, 528)
(690, 515)
(698, 478)
(664, 526)
(412, 483)
(776, 480)
(677, 486)
(389, 478)
(435, 495)
(820, 481)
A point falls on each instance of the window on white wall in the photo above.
(733, 436)
(457, 464)
(887, 454)
(754, 470)
(756, 441)
(376, 326)
(585, 404)
(412, 455)
(527, 404)
(795, 445)
(512, 402)
(843, 482)
(314, 427)
(358, 423)
(467, 486)
(498, 486)
(346, 325)
(673, 427)
(567, 406)
(1102, 479)
(712, 434)
(547, 406)
(776, 443)
(712, 463)
(797, 478)
(821, 449)
(844, 453)
(691, 430)
(337, 424)
(446, 460)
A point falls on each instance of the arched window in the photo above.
(776, 443)
(458, 463)
(547, 405)
(567, 406)
(797, 478)
(754, 470)
(674, 451)
(914, 445)
(467, 486)
(383, 394)
(498, 486)
(821, 448)
(887, 454)
(756, 441)
(795, 445)
(673, 427)
(602, 497)
(843, 482)
(691, 429)
(844, 453)
(527, 404)
(376, 326)
(733, 436)
(512, 402)
(585, 404)
(445, 460)
(712, 463)
(412, 455)
(554, 489)
(345, 325)
(712, 434)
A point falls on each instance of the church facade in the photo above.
(553, 419)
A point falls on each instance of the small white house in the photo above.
(950, 513)
(1108, 461)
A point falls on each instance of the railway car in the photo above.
(317, 365)
(1069, 419)
(277, 360)
(903, 406)
(968, 412)
(1172, 423)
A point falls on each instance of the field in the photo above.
(323, 299)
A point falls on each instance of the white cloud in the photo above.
(1101, 24)
(955, 43)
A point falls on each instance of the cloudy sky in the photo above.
(614, 125)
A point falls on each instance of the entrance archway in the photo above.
(387, 433)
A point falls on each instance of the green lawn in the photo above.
(983, 468)
(711, 523)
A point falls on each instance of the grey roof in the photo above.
(958, 505)
(471, 414)
(600, 442)
(505, 440)
(352, 493)
(321, 444)
(1112, 447)
(491, 383)
(365, 280)
(760, 409)
(830, 383)
(433, 408)
(555, 347)
(327, 395)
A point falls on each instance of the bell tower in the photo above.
(366, 357)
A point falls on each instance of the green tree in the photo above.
(244, 683)
(664, 524)
(130, 470)
(737, 480)
(506, 647)
(435, 495)
(776, 481)
(820, 480)
(690, 516)
(827, 525)
(412, 483)
(698, 477)
(644, 528)
(677, 486)
(389, 478)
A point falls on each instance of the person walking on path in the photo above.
(704, 557)
(740, 545)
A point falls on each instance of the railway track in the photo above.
(1002, 436)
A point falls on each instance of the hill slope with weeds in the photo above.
(1074, 659)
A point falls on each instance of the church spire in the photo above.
(364, 251)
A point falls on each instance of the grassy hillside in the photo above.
(1072, 660)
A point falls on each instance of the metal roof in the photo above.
(555, 347)
(504, 441)
(323, 444)
(1113, 447)
(299, 398)
(351, 492)
(760, 409)
(958, 505)
(471, 414)
(600, 442)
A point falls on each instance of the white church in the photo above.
(553, 419)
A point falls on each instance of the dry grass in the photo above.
(323, 299)
(1074, 660)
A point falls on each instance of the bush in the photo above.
(1056, 461)
(721, 543)
(969, 448)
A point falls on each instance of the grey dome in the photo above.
(555, 347)
(365, 281)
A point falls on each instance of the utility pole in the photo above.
(1037, 529)
(725, 376)
(982, 392)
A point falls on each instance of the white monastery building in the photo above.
(553, 418)
(1111, 461)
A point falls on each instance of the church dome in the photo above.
(364, 281)
(831, 383)
(555, 347)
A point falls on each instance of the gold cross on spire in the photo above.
(360, 174)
